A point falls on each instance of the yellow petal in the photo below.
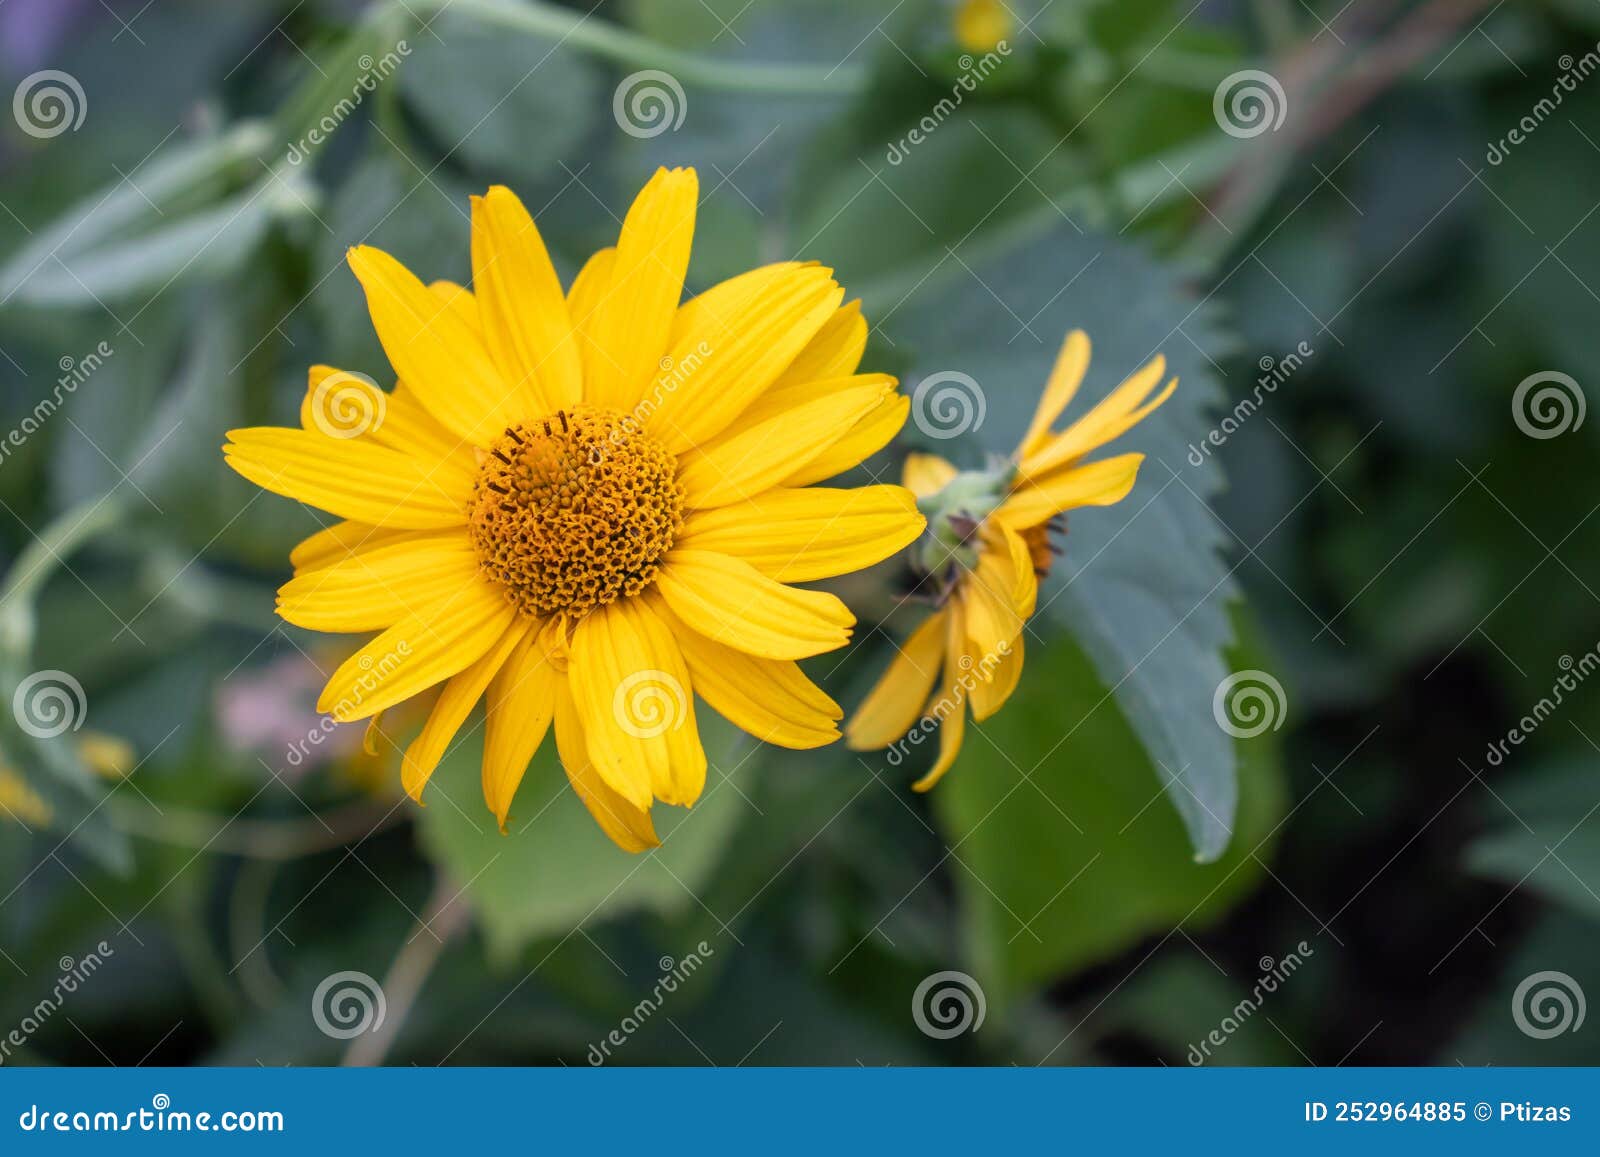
(436, 353)
(350, 478)
(459, 300)
(589, 288)
(1101, 483)
(728, 600)
(926, 474)
(949, 708)
(770, 699)
(865, 438)
(341, 540)
(1071, 364)
(800, 535)
(451, 709)
(996, 683)
(630, 324)
(833, 352)
(525, 321)
(998, 595)
(751, 459)
(345, 405)
(376, 588)
(521, 701)
(895, 703)
(632, 688)
(628, 826)
(724, 354)
(1118, 412)
(418, 652)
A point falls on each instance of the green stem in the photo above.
(38, 561)
(631, 50)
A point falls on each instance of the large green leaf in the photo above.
(1063, 856)
(555, 871)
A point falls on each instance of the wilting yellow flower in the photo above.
(20, 803)
(980, 25)
(986, 549)
(589, 506)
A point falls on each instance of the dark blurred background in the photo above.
(1366, 236)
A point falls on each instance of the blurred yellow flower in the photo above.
(20, 803)
(109, 756)
(980, 25)
(588, 506)
(986, 549)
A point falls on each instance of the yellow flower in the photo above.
(20, 803)
(587, 507)
(987, 547)
(109, 756)
(981, 25)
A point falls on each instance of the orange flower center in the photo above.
(574, 511)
